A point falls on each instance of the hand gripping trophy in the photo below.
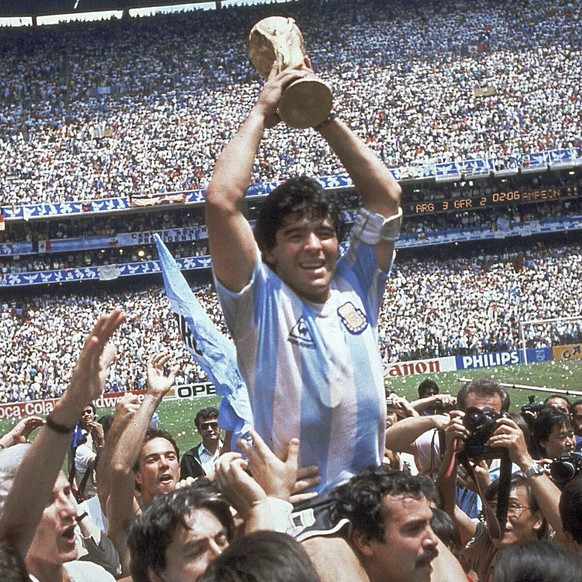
(305, 103)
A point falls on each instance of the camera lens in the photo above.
(562, 471)
(473, 418)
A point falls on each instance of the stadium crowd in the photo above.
(417, 226)
(139, 106)
(237, 518)
(432, 308)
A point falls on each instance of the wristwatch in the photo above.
(535, 469)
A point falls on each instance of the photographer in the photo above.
(552, 434)
(397, 409)
(430, 401)
(533, 497)
(423, 436)
(560, 402)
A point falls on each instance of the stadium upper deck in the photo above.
(143, 106)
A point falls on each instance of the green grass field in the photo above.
(178, 416)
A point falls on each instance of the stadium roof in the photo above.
(46, 7)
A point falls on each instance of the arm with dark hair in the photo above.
(125, 409)
(232, 245)
(421, 403)
(401, 436)
(121, 504)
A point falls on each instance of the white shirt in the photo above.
(79, 571)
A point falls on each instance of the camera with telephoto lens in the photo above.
(481, 424)
(566, 467)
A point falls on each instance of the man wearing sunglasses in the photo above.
(199, 460)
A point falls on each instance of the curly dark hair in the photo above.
(304, 196)
(360, 500)
(152, 533)
(263, 556)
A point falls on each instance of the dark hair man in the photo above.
(391, 533)
(539, 560)
(199, 460)
(87, 443)
(302, 318)
(525, 523)
(427, 388)
(179, 534)
(560, 402)
(262, 556)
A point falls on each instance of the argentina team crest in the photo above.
(353, 318)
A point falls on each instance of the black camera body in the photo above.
(533, 407)
(481, 424)
(566, 467)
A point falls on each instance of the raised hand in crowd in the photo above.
(307, 479)
(509, 436)
(39, 470)
(20, 432)
(270, 479)
(122, 505)
(125, 410)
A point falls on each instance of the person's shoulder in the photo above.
(193, 452)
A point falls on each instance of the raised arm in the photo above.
(447, 477)
(121, 505)
(125, 410)
(379, 191)
(508, 435)
(38, 472)
(232, 245)
(446, 401)
(401, 436)
(20, 431)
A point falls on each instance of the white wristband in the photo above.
(280, 513)
(371, 228)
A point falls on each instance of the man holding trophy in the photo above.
(302, 318)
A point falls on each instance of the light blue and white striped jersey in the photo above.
(314, 370)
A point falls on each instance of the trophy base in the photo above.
(305, 103)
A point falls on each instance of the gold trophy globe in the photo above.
(304, 103)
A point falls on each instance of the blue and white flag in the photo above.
(213, 352)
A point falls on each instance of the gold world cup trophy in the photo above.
(304, 103)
